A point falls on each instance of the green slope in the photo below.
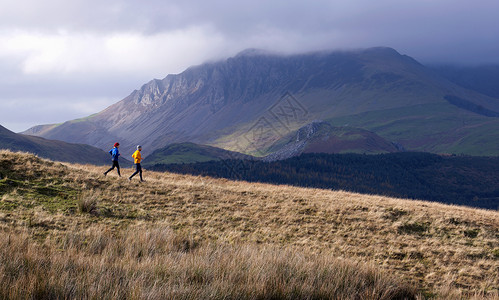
(483, 79)
(448, 129)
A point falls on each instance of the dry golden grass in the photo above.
(154, 263)
(449, 251)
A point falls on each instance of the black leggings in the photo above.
(138, 169)
(115, 164)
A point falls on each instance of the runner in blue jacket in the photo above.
(115, 153)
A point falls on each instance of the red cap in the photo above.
(116, 144)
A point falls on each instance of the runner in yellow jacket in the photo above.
(137, 158)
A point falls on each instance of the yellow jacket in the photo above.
(137, 157)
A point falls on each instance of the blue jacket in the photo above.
(114, 153)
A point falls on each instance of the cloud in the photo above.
(417, 27)
(20, 114)
(65, 53)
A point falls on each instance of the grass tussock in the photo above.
(155, 264)
(87, 202)
(73, 218)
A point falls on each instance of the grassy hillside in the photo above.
(68, 232)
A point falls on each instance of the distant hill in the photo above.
(248, 102)
(316, 137)
(189, 153)
(52, 149)
(462, 180)
(483, 79)
(321, 137)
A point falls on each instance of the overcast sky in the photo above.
(65, 59)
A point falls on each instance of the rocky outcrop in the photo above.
(321, 137)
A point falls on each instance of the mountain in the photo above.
(190, 153)
(52, 149)
(321, 137)
(248, 102)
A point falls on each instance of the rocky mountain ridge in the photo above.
(223, 103)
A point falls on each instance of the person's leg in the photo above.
(140, 171)
(137, 166)
(118, 168)
(105, 173)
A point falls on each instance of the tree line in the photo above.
(461, 180)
